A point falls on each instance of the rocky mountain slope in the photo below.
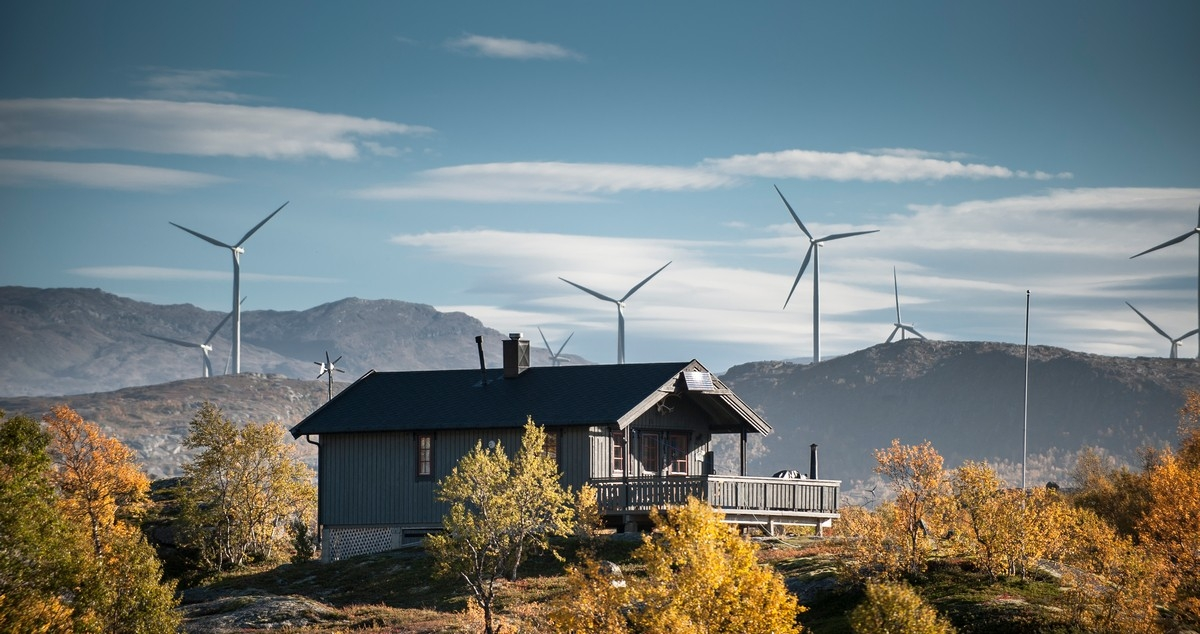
(76, 341)
(967, 398)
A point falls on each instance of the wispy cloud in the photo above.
(589, 182)
(163, 274)
(545, 182)
(896, 167)
(175, 84)
(101, 176)
(197, 129)
(510, 48)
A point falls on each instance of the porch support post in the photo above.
(628, 462)
(743, 458)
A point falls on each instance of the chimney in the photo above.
(516, 355)
(812, 461)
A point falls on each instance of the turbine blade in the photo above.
(896, 287)
(590, 291)
(914, 331)
(893, 335)
(1189, 334)
(803, 265)
(560, 348)
(548, 348)
(793, 212)
(1147, 320)
(643, 282)
(1166, 244)
(839, 236)
(220, 325)
(259, 225)
(186, 344)
(204, 237)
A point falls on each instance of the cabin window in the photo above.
(550, 447)
(649, 445)
(424, 455)
(677, 453)
(618, 453)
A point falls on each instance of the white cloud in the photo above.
(545, 182)
(194, 85)
(551, 181)
(197, 129)
(851, 166)
(164, 274)
(511, 49)
(101, 176)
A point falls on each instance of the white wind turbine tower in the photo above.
(237, 251)
(900, 326)
(1174, 341)
(328, 368)
(814, 254)
(1177, 240)
(555, 357)
(620, 308)
(204, 347)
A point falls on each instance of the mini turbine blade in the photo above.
(560, 348)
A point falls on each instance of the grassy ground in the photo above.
(400, 592)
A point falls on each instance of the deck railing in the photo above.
(729, 493)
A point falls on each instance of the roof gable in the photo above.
(554, 396)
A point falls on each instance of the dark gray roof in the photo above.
(554, 396)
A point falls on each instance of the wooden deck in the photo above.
(759, 501)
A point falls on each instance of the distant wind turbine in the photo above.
(555, 357)
(620, 308)
(204, 347)
(814, 254)
(1177, 240)
(1174, 340)
(900, 326)
(328, 368)
(237, 251)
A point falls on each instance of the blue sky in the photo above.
(467, 155)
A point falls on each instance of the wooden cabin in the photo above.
(641, 434)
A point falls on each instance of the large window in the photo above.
(677, 453)
(650, 448)
(424, 455)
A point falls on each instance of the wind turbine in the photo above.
(205, 347)
(555, 357)
(329, 367)
(1174, 341)
(1177, 240)
(620, 308)
(237, 251)
(814, 254)
(900, 326)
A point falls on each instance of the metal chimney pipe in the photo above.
(482, 366)
(812, 461)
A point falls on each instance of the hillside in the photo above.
(78, 341)
(967, 398)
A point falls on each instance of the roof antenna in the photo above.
(482, 367)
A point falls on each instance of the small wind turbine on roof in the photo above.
(900, 326)
(1174, 340)
(555, 357)
(1177, 240)
(205, 347)
(237, 251)
(620, 307)
(328, 368)
(814, 254)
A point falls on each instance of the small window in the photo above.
(550, 447)
(677, 453)
(424, 455)
(618, 453)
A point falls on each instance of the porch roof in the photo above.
(554, 396)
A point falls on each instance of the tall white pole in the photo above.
(1025, 427)
(816, 251)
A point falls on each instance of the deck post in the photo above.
(743, 457)
(628, 449)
